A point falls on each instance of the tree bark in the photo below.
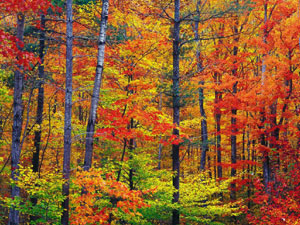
(204, 136)
(176, 108)
(234, 112)
(96, 90)
(68, 114)
(40, 98)
(160, 145)
(131, 149)
(233, 139)
(40, 106)
(218, 114)
(17, 122)
(266, 158)
(218, 98)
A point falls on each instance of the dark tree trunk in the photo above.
(159, 155)
(176, 108)
(204, 136)
(40, 106)
(248, 168)
(266, 165)
(160, 145)
(80, 111)
(131, 170)
(40, 98)
(68, 114)
(275, 131)
(233, 147)
(96, 90)
(17, 122)
(218, 98)
(131, 149)
(266, 158)
(243, 152)
(234, 113)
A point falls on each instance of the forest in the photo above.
(150, 112)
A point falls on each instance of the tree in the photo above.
(18, 118)
(215, 70)
(40, 100)
(234, 110)
(176, 107)
(68, 113)
(204, 134)
(97, 85)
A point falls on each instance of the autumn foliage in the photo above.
(239, 112)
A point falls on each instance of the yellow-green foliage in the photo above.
(200, 200)
(6, 97)
(46, 188)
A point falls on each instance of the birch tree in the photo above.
(96, 90)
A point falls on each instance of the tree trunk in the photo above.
(40, 107)
(96, 90)
(204, 137)
(160, 145)
(218, 98)
(248, 167)
(40, 98)
(131, 148)
(266, 159)
(17, 122)
(233, 147)
(68, 114)
(159, 155)
(176, 108)
(234, 112)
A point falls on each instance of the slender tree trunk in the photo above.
(160, 145)
(275, 130)
(40, 98)
(248, 167)
(204, 136)
(40, 106)
(131, 148)
(122, 158)
(80, 110)
(159, 155)
(209, 166)
(266, 159)
(254, 158)
(234, 112)
(218, 98)
(176, 108)
(17, 122)
(96, 91)
(233, 147)
(277, 126)
(243, 153)
(68, 114)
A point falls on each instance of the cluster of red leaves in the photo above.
(90, 207)
(238, 165)
(282, 204)
(25, 6)
(174, 140)
(12, 55)
(117, 125)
